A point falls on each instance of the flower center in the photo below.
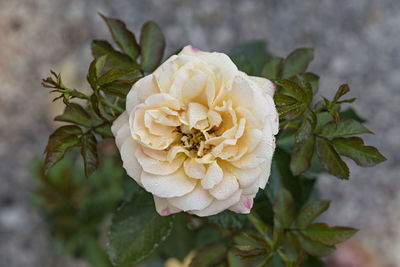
(194, 140)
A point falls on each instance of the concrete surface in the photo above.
(356, 41)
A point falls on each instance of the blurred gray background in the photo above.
(356, 41)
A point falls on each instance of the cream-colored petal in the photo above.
(265, 85)
(129, 161)
(196, 113)
(193, 169)
(163, 207)
(245, 177)
(160, 155)
(194, 88)
(218, 206)
(213, 176)
(198, 199)
(264, 176)
(140, 91)
(119, 122)
(244, 205)
(123, 133)
(227, 187)
(158, 167)
(173, 185)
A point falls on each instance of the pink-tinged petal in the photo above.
(198, 199)
(129, 161)
(193, 169)
(173, 185)
(163, 207)
(218, 206)
(213, 176)
(140, 91)
(244, 205)
(157, 167)
(226, 188)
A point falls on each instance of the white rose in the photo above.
(199, 134)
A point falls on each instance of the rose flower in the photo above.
(198, 134)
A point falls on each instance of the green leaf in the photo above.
(310, 212)
(281, 99)
(293, 88)
(345, 127)
(235, 261)
(301, 155)
(123, 37)
(89, 153)
(299, 186)
(322, 233)
(117, 88)
(100, 62)
(104, 130)
(312, 78)
(351, 114)
(91, 76)
(291, 247)
(137, 230)
(343, 89)
(353, 147)
(271, 69)
(100, 48)
(114, 58)
(251, 57)
(229, 219)
(75, 113)
(113, 75)
(331, 160)
(210, 255)
(60, 141)
(313, 247)
(297, 62)
(292, 110)
(152, 42)
(283, 208)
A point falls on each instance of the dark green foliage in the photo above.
(250, 57)
(137, 230)
(75, 207)
(152, 42)
(229, 219)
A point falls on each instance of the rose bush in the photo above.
(199, 134)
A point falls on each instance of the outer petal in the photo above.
(173, 185)
(163, 207)
(140, 91)
(219, 205)
(244, 205)
(266, 86)
(226, 188)
(123, 133)
(130, 163)
(198, 199)
(157, 167)
(119, 122)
